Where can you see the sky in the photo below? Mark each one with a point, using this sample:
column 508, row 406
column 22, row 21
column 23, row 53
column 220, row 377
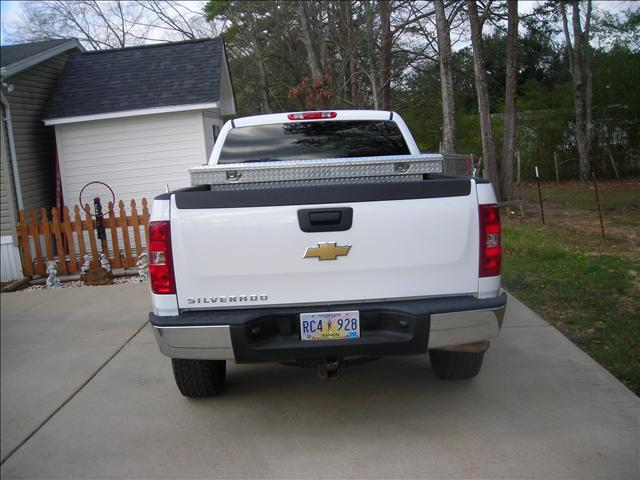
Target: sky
column 10, row 11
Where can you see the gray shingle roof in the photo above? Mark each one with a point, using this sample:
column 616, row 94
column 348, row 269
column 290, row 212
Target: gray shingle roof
column 160, row 75
column 10, row 54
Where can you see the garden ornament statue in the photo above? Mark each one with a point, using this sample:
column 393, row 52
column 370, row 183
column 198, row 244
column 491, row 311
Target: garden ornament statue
column 86, row 264
column 52, row 271
column 143, row 266
column 100, row 275
column 104, row 263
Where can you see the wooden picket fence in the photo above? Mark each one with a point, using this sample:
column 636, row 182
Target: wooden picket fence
column 68, row 237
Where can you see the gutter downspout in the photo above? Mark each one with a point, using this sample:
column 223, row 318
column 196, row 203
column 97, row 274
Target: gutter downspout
column 12, row 153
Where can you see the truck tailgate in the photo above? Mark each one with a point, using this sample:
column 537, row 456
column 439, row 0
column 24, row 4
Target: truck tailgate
column 237, row 249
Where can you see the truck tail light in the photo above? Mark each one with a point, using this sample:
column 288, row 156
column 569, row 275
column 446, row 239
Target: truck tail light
column 490, row 242
column 160, row 260
column 311, row 115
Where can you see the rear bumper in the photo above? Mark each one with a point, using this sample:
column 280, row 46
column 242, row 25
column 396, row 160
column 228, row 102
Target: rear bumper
column 272, row 334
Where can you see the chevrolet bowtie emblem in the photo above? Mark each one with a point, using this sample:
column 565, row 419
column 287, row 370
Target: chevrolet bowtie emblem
column 327, row 251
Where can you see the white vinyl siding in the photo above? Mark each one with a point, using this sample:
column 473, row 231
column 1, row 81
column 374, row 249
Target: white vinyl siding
column 136, row 156
column 10, row 264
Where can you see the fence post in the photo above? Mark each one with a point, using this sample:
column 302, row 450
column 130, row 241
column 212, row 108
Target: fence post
column 23, row 235
column 136, row 227
column 540, row 195
column 125, row 235
column 89, row 227
column 595, row 187
column 55, row 226
column 145, row 217
column 113, row 227
column 68, row 232
column 38, row 267
column 44, row 223
column 77, row 223
column 613, row 164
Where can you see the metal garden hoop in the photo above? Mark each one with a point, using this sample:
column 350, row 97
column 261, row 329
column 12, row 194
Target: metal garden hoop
column 93, row 190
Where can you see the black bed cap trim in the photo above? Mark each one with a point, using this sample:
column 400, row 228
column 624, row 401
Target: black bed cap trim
column 167, row 195
column 310, row 195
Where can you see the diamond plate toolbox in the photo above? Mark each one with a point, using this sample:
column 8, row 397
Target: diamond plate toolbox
column 324, row 169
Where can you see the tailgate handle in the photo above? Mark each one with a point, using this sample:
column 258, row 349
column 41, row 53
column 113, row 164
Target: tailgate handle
column 325, row 220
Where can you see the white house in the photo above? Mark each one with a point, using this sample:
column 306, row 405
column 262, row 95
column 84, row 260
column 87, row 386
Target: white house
column 137, row 118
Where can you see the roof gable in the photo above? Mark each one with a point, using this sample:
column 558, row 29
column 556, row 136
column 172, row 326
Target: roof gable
column 15, row 58
column 139, row 78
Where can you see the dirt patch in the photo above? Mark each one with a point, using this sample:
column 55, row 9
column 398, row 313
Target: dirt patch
column 570, row 208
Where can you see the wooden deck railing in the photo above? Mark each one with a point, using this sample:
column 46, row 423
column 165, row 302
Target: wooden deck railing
column 67, row 240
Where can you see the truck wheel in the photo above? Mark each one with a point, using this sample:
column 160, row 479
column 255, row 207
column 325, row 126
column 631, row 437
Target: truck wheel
column 455, row 365
column 199, row 378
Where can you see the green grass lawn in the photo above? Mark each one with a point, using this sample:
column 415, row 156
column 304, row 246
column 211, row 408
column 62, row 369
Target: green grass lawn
column 587, row 287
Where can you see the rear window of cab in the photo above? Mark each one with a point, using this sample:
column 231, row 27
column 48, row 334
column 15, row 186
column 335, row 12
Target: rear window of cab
column 312, row 141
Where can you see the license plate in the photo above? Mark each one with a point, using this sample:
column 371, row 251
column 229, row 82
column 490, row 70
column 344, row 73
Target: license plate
column 329, row 325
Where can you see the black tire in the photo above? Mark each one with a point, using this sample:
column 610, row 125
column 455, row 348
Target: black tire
column 199, row 378
column 455, row 365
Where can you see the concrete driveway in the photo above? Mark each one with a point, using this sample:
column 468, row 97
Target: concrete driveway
column 86, row 394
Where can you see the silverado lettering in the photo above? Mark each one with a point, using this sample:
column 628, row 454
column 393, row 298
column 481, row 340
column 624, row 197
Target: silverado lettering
column 231, row 298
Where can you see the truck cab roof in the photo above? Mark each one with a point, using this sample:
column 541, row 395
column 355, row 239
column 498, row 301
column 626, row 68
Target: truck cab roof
column 339, row 115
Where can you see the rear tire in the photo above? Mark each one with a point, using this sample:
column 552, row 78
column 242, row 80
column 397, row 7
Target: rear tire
column 455, row 365
column 199, row 378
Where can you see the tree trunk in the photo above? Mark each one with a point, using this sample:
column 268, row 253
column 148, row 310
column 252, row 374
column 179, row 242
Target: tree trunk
column 580, row 67
column 579, row 95
column 446, row 79
column 266, row 104
column 353, row 71
column 262, row 70
column 308, row 40
column 488, row 148
column 385, row 53
column 374, row 78
column 350, row 45
column 374, row 87
column 586, row 52
column 509, row 142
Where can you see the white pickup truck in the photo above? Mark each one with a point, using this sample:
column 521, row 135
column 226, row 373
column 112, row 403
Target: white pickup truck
column 321, row 238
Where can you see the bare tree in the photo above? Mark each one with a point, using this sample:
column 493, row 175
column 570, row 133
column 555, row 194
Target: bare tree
column 398, row 18
column 371, row 58
column 446, row 78
column 509, row 141
column 95, row 24
column 350, row 45
column 385, row 53
column 260, row 61
column 309, row 40
column 476, row 23
column 176, row 20
column 251, row 20
column 110, row 24
column 580, row 67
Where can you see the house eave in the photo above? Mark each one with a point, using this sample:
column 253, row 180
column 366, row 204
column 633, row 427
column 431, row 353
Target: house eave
column 19, row 66
column 130, row 113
